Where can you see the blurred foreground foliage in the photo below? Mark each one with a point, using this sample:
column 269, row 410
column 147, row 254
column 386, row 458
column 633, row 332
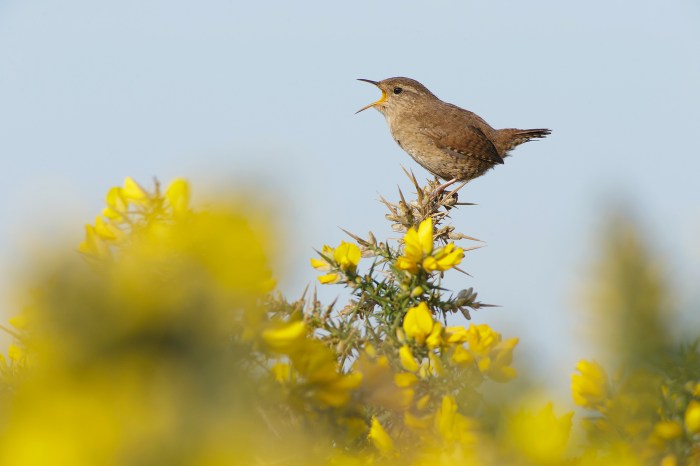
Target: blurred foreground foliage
column 168, row 345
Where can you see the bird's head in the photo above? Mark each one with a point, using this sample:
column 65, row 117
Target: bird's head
column 398, row 94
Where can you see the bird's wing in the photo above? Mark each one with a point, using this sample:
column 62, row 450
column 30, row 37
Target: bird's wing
column 472, row 142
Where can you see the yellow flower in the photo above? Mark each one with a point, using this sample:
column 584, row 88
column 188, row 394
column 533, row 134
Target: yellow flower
column 589, row 388
column 456, row 334
column 281, row 338
column 482, row 339
column 107, row 230
column 501, row 359
column 444, row 258
column 323, row 264
column 418, row 251
column 319, row 264
column 329, row 278
column 132, row 190
column 435, row 338
column 178, row 196
column 93, row 245
column 493, row 356
column 452, row 425
column 461, row 356
column 405, row 379
column 282, row 372
column 347, row 256
column 418, row 323
column 337, row 391
column 541, row 437
column 692, row 417
column 422, row 403
column 380, row 438
column 418, row 243
column 407, row 360
column 435, row 365
column 116, row 200
column 379, row 382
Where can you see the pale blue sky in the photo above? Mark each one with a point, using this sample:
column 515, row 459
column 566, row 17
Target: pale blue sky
column 263, row 95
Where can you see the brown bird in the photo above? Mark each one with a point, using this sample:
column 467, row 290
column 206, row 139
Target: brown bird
column 448, row 141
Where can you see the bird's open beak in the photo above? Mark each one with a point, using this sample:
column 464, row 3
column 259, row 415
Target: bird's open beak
column 381, row 99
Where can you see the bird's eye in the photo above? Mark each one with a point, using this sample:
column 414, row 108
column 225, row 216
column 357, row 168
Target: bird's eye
column 397, row 90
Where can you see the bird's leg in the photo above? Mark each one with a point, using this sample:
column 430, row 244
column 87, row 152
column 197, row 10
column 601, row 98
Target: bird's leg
column 442, row 187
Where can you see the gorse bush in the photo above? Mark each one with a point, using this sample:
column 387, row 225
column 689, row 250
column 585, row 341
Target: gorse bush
column 167, row 344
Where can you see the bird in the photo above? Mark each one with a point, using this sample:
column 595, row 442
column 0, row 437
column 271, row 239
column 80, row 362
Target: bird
column 450, row 142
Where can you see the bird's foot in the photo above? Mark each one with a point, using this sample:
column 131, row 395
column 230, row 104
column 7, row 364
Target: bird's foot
column 440, row 189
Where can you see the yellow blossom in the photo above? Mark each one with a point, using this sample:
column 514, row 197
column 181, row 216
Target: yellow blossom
column 444, row 258
column 379, row 387
column 541, row 437
column 435, row 365
column 407, row 360
column 116, row 200
column 418, row 251
column 178, row 196
column 132, row 190
column 692, row 417
column 435, row 338
column 425, row 370
column 456, row 334
column 112, row 214
column 452, row 425
column 329, row 278
column 422, row 403
column 283, row 337
column 93, row 245
column 319, row 264
column 282, row 372
column 380, row 438
column 405, row 397
column 482, row 339
column 418, row 323
column 347, row 256
column 501, row 357
column 401, row 335
column 323, row 264
column 405, row 379
column 589, row 388
column 418, row 243
column 106, row 230
column 461, row 356
column 493, row 356
column 337, row 392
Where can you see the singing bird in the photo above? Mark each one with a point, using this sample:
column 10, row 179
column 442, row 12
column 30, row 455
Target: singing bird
column 448, row 141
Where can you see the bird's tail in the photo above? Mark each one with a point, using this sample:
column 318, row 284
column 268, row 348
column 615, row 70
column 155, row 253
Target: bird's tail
column 512, row 137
